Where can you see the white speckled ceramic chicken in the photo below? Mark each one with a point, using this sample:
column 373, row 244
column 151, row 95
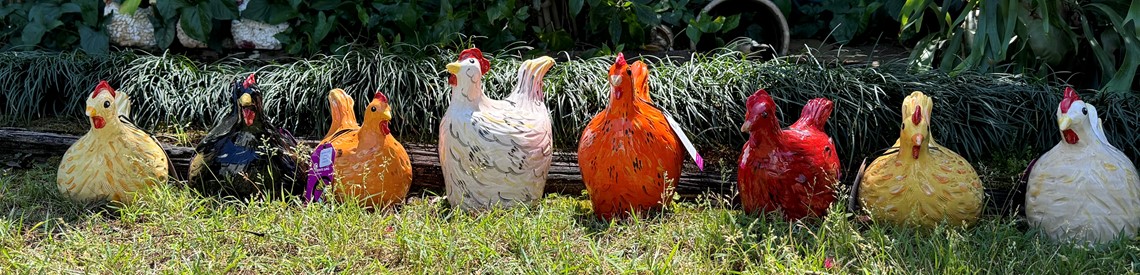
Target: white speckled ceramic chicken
column 495, row 152
column 1084, row 190
column 114, row 159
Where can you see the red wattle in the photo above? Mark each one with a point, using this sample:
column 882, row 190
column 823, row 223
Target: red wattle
column 98, row 122
column 248, row 115
column 915, row 150
column 452, row 80
column 1070, row 136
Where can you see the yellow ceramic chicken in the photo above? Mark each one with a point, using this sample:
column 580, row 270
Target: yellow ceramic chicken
column 371, row 166
column 114, row 159
column 921, row 183
column 1083, row 190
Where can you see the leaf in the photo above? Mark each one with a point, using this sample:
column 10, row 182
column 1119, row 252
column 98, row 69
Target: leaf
column 69, row 8
column 196, row 22
column 324, row 5
column 324, row 25
column 494, row 13
column 89, row 18
column 615, row 29
column 32, row 34
column 911, row 13
column 164, row 30
column 93, row 42
column 646, row 15
column 128, row 7
column 221, row 9
column 693, row 33
column 575, row 7
column 270, row 13
column 169, row 8
column 730, row 23
column 894, row 8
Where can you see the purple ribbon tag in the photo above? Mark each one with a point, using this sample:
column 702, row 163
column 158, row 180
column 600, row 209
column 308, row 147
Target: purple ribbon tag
column 321, row 172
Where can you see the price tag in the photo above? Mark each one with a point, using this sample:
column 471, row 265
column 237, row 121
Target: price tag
column 320, row 172
column 685, row 141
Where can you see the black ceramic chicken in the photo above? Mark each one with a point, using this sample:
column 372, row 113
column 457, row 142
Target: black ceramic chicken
column 245, row 154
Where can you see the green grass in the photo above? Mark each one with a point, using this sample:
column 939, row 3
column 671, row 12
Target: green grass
column 173, row 230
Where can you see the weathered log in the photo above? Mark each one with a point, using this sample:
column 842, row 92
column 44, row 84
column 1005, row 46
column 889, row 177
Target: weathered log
column 564, row 176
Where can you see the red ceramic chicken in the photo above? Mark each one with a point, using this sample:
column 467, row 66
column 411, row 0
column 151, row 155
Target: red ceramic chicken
column 792, row 170
column 631, row 152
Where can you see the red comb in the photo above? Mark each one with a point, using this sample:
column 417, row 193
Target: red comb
column 250, row 81
column 103, row 86
column 1070, row 96
column 917, row 117
column 484, row 65
column 620, row 60
column 380, row 96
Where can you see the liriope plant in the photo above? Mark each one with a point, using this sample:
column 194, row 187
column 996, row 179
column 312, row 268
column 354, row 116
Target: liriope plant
column 974, row 113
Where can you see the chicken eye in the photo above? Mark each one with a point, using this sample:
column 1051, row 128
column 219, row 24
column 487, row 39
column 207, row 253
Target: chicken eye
column 106, row 104
column 472, row 61
column 1085, row 111
column 764, row 114
column 373, row 109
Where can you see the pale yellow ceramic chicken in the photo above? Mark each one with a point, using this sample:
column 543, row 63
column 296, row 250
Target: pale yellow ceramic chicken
column 921, row 183
column 1083, row 190
column 114, row 159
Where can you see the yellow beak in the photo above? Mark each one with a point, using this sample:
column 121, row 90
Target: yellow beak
column 386, row 115
column 1064, row 122
column 453, row 67
column 746, row 126
column 245, row 100
column 90, row 111
column 917, row 139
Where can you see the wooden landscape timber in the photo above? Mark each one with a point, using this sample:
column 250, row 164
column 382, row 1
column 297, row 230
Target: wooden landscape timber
column 564, row 176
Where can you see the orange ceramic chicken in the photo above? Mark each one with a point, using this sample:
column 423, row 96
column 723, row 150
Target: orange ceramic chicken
column 115, row 158
column 371, row 166
column 629, row 154
column 920, row 182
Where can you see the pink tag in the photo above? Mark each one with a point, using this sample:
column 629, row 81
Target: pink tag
column 321, row 172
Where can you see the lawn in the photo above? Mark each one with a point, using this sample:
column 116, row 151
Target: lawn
column 174, row 230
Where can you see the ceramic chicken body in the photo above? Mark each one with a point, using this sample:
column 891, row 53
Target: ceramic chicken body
column 628, row 153
column 1084, row 189
column 245, row 154
column 371, row 166
column 792, row 170
column 921, row 183
column 495, row 152
column 114, row 159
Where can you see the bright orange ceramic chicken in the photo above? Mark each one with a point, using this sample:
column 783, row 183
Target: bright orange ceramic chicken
column 371, row 166
column 628, row 153
column 792, row 170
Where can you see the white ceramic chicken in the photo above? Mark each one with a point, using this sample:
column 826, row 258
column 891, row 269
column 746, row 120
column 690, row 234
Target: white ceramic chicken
column 495, row 152
column 1084, row 190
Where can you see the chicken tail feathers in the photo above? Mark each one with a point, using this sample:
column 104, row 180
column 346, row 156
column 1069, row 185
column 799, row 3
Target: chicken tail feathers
column 123, row 104
column 343, row 117
column 641, row 80
column 815, row 114
column 528, row 90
